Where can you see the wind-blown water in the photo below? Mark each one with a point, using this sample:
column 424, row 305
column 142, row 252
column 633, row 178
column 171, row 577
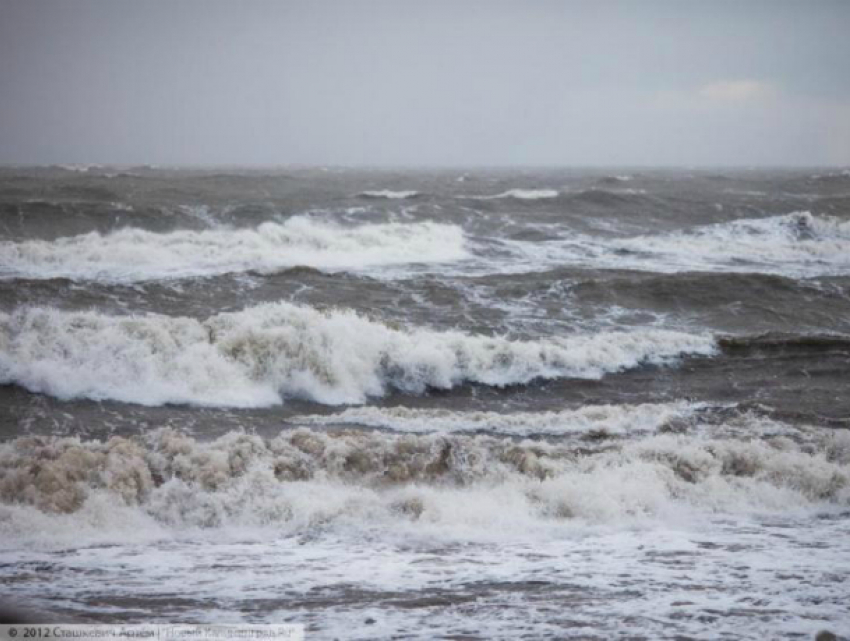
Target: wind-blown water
column 506, row 404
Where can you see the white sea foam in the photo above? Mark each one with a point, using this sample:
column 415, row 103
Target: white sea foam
column 389, row 194
column 797, row 244
column 261, row 355
column 793, row 241
column 80, row 168
column 521, row 194
column 137, row 255
column 744, row 531
column 450, row 486
column 597, row 420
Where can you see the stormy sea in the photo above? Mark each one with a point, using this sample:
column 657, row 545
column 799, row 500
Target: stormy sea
column 421, row 404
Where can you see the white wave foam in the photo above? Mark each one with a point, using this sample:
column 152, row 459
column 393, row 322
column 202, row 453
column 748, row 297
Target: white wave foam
column 80, row 168
column 137, row 255
column 454, row 485
column 598, row 420
column 521, row 194
column 262, row 354
column 795, row 241
column 391, row 195
column 797, row 244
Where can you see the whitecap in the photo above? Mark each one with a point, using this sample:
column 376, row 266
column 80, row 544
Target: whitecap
column 389, row 194
column 261, row 355
column 132, row 254
column 520, row 194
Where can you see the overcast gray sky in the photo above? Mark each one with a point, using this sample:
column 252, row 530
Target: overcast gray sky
column 425, row 83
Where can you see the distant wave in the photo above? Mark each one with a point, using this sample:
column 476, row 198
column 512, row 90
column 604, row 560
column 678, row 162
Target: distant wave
column 520, row 194
column 792, row 239
column 386, row 193
column 607, row 197
column 136, row 255
column 785, row 344
column 596, row 195
column 794, row 245
column 263, row 354
column 630, row 191
column 840, row 175
column 80, row 168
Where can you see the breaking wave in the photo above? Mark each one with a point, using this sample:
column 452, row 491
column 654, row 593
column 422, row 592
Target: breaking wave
column 391, row 195
column 792, row 239
column 521, row 194
column 615, row 180
column 797, row 244
column 61, row 491
column 138, row 255
column 261, row 355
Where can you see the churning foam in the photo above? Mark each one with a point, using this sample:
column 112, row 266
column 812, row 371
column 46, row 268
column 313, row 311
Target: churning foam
column 64, row 491
column 262, row 354
column 136, row 255
column 596, row 420
column 794, row 239
column 798, row 244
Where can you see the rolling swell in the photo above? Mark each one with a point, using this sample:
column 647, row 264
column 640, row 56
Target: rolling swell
column 263, row 354
column 604, row 197
column 731, row 301
column 776, row 343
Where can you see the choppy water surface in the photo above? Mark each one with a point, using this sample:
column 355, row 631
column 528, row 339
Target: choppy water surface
column 480, row 404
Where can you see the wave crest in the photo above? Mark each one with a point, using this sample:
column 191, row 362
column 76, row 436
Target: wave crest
column 137, row 255
column 261, row 355
column 389, row 194
column 796, row 244
column 799, row 238
column 521, row 194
